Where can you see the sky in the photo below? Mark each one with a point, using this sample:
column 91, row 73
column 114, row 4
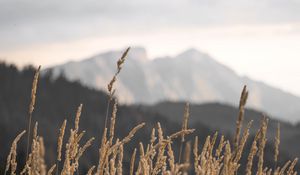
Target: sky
column 256, row 38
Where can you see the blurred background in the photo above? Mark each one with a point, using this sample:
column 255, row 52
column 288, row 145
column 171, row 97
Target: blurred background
column 200, row 51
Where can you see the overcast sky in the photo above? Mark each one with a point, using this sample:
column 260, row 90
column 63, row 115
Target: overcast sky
column 257, row 38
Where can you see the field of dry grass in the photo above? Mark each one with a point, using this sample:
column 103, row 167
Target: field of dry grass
column 217, row 156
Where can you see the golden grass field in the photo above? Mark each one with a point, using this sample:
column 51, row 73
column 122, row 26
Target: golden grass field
column 157, row 157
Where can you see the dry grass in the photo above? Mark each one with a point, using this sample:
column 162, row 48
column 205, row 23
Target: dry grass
column 31, row 105
column 156, row 157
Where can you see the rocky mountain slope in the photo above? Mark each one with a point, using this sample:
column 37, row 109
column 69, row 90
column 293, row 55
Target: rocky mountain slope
column 191, row 75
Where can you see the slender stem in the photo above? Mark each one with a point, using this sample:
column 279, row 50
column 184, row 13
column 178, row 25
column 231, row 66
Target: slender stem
column 28, row 135
column 107, row 111
column 57, row 168
column 275, row 165
column 180, row 152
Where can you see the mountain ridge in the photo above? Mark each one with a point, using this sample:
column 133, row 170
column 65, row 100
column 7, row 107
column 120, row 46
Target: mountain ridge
column 191, row 75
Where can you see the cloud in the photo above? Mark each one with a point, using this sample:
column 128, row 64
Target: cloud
column 33, row 22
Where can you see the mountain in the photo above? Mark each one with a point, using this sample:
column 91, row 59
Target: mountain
column 58, row 99
column 191, row 75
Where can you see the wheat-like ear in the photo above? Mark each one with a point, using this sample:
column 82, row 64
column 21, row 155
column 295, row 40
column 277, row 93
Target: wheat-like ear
column 227, row 157
column 31, row 106
column 262, row 144
column 196, row 155
column 112, row 123
column 33, row 90
column 120, row 161
column 110, row 86
column 131, row 133
column 185, row 119
column 60, row 139
column 285, row 166
column 132, row 161
column 171, row 158
column 179, row 133
column 220, row 147
column 51, row 170
column 90, row 171
column 119, row 67
column 12, row 156
column 142, row 151
column 77, row 118
column 292, row 166
column 184, row 127
column 240, row 149
column 252, row 153
column 82, row 149
column 239, row 122
column 35, row 130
